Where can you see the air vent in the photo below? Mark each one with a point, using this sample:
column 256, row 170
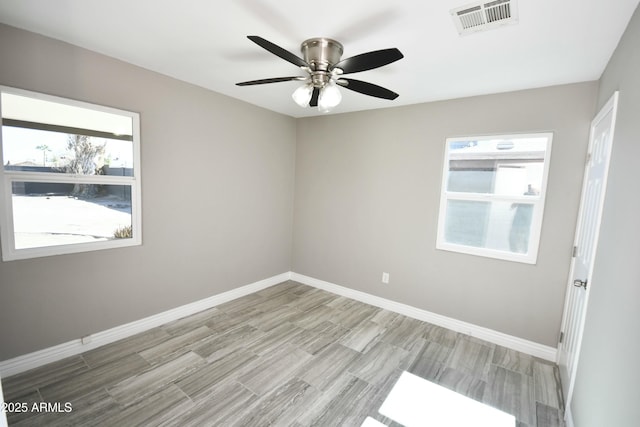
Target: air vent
column 477, row 17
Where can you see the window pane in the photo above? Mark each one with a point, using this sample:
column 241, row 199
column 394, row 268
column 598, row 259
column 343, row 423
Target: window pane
column 502, row 226
column 51, row 214
column 69, row 168
column 35, row 150
column 35, row 110
column 511, row 167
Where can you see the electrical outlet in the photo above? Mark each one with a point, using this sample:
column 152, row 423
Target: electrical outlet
column 86, row 340
column 385, row 277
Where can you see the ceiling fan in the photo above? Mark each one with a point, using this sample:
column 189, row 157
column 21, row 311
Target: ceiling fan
column 325, row 69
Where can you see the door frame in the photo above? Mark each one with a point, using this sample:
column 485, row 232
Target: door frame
column 611, row 106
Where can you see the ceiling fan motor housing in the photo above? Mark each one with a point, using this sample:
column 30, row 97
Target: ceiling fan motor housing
column 321, row 53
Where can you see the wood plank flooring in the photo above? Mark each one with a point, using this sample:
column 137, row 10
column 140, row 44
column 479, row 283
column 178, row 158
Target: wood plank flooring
column 289, row 355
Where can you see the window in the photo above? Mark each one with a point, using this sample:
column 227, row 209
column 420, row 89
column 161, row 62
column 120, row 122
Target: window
column 70, row 176
column 492, row 198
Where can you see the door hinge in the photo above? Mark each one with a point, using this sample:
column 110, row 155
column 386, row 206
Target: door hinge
column 561, row 337
column 580, row 284
column 574, row 252
column 588, row 157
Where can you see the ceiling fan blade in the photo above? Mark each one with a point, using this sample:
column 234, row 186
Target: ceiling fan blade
column 369, row 60
column 278, row 51
column 314, row 97
column 273, row 80
column 367, row 88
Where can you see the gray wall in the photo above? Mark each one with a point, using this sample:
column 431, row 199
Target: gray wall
column 607, row 388
column 366, row 201
column 367, row 197
column 217, row 200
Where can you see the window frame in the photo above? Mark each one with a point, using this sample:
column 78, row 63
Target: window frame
column 538, row 203
column 8, row 177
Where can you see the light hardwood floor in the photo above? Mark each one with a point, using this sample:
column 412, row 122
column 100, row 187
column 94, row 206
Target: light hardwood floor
column 289, row 355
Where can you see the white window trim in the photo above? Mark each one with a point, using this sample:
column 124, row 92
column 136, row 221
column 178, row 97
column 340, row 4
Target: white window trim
column 538, row 202
column 7, row 237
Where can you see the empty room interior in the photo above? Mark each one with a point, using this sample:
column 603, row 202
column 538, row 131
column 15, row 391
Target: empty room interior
column 250, row 213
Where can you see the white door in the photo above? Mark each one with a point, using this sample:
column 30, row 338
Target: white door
column 586, row 241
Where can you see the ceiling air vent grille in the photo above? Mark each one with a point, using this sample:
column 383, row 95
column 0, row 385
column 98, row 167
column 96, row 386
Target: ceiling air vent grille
column 476, row 17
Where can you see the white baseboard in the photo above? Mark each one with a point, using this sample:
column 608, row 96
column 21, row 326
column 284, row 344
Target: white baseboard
column 52, row 354
column 568, row 417
column 42, row 357
column 495, row 337
column 3, row 413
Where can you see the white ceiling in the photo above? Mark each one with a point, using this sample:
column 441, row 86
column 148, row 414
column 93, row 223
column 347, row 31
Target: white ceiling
column 204, row 42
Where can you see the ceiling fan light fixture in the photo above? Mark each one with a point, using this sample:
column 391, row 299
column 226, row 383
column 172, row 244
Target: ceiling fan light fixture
column 302, row 95
column 329, row 98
